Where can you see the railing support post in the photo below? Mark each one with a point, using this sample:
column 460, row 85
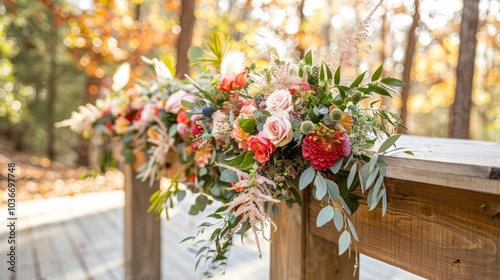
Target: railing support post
column 142, row 230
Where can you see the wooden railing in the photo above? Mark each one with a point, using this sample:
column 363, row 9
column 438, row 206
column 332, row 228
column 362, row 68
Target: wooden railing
column 442, row 221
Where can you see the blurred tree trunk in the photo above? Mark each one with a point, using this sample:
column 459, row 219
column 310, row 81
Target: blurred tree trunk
column 461, row 107
column 300, row 48
column 184, row 41
column 83, row 145
column 411, row 43
column 385, row 100
column 51, row 102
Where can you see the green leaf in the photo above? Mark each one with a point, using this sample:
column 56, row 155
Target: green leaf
column 344, row 242
column 228, row 176
column 388, row 143
column 353, row 230
column 129, row 156
column 333, row 189
column 373, row 161
column 336, row 167
column 188, row 238
column 201, row 202
column 378, row 72
column 320, row 184
column 352, row 174
column 325, row 215
column 244, row 228
column 248, row 125
column 384, row 203
column 358, row 80
column 181, row 195
column 380, row 90
column 248, row 162
column 306, row 178
column 393, row 82
column 364, row 172
column 336, row 78
column 338, row 220
column 308, row 58
column 371, row 178
column 328, row 71
column 186, row 104
column 409, row 153
column 314, row 100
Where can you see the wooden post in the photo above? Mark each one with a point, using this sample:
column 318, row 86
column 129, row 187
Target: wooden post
column 142, row 230
column 298, row 255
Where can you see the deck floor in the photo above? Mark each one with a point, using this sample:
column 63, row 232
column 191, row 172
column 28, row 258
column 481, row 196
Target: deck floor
column 81, row 237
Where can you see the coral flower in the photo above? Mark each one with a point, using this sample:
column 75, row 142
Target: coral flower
column 261, row 146
column 240, row 135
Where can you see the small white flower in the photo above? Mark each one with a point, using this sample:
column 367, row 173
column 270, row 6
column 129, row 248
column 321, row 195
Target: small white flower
column 270, row 43
column 233, row 63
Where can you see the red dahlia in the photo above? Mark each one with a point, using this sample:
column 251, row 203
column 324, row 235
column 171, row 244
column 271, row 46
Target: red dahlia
column 325, row 146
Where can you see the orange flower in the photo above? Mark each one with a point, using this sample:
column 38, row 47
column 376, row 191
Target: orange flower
column 240, row 136
column 202, row 156
column 347, row 121
column 181, row 116
column 233, row 81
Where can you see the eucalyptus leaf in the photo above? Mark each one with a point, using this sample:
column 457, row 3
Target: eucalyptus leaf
column 320, row 184
column 228, row 176
column 336, row 167
column 306, row 178
column 344, row 242
column 373, row 161
column 338, row 219
column 353, row 230
column 363, row 176
column 325, row 215
column 388, row 143
column 333, row 189
column 352, row 174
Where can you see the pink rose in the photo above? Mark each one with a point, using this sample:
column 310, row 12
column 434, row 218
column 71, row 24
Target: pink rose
column 173, row 104
column 279, row 99
column 278, row 129
column 261, row 147
column 247, row 109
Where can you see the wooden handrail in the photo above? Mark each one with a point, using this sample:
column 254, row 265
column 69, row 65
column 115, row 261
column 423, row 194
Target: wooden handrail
column 442, row 217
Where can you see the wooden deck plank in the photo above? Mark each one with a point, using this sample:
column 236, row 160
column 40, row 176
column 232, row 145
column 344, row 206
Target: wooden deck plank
column 116, row 250
column 27, row 263
column 47, row 262
column 94, row 265
column 103, row 244
column 69, row 258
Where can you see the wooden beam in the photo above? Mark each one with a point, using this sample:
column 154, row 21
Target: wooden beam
column 433, row 231
column 297, row 254
column 142, row 230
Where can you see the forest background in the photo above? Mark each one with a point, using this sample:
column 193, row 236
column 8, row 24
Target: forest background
column 56, row 55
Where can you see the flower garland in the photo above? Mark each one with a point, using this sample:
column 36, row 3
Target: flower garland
column 253, row 137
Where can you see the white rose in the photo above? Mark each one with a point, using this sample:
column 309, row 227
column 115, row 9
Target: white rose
column 279, row 99
column 278, row 129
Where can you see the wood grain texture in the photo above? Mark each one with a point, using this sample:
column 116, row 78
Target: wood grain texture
column 298, row 255
column 478, row 159
column 288, row 244
column 433, row 231
column 142, row 231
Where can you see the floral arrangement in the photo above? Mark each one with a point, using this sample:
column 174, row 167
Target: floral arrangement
column 253, row 135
